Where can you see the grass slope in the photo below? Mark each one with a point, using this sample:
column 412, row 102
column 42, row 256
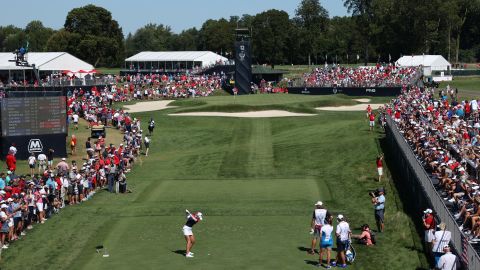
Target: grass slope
column 255, row 180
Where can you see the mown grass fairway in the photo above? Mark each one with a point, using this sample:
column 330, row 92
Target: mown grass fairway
column 255, row 180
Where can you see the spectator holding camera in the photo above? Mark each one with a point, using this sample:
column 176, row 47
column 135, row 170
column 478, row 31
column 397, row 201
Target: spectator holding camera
column 378, row 201
column 380, row 167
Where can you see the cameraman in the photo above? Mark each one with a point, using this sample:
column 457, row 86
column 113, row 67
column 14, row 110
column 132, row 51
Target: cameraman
column 378, row 201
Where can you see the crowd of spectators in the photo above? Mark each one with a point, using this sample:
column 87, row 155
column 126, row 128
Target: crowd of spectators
column 445, row 136
column 26, row 200
column 376, row 76
column 154, row 85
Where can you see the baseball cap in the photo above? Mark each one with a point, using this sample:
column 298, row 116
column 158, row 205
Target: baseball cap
column 340, row 217
column 319, row 203
column 428, row 211
column 446, row 246
column 200, row 215
column 9, row 172
column 3, row 206
column 381, row 190
column 63, row 159
column 9, row 200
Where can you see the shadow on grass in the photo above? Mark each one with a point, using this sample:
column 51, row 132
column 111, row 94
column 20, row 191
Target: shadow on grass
column 404, row 193
column 180, row 251
column 310, row 262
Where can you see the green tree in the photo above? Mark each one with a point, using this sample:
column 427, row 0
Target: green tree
column 217, row 35
column 10, row 38
column 270, row 36
column 102, row 37
column 37, row 36
column 362, row 10
column 312, row 20
column 151, row 37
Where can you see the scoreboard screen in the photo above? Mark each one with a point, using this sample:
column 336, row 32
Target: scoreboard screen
column 22, row 116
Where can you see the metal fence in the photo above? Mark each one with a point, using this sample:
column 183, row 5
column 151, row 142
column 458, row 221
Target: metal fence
column 422, row 191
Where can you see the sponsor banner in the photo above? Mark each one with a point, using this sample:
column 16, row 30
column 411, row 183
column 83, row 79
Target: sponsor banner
column 349, row 91
column 35, row 144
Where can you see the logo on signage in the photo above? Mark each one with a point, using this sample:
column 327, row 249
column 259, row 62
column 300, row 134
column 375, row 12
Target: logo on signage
column 370, row 90
column 242, row 54
column 35, row 146
column 305, row 91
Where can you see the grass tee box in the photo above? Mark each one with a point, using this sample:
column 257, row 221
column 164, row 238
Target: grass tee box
column 255, row 180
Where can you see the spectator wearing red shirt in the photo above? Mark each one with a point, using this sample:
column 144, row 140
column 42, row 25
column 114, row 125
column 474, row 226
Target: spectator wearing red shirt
column 429, row 226
column 371, row 117
column 11, row 161
column 380, row 167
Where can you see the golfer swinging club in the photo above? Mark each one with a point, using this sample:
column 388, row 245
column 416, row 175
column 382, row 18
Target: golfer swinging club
column 192, row 219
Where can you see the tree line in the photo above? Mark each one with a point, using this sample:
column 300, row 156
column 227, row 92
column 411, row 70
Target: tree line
column 376, row 31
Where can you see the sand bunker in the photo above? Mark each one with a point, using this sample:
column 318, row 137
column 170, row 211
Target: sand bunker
column 148, row 106
column 255, row 114
column 358, row 107
column 363, row 100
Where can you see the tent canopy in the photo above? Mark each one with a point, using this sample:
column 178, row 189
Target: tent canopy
column 46, row 61
column 207, row 58
column 435, row 62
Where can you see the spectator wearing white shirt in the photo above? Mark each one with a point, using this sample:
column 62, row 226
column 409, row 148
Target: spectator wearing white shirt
column 441, row 239
column 42, row 162
column 343, row 241
column 32, row 161
column 448, row 261
column 75, row 118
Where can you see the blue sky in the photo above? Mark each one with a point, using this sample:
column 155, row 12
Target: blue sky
column 131, row 15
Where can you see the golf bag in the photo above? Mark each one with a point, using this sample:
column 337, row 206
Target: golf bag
column 351, row 254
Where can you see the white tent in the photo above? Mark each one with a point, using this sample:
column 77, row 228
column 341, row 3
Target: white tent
column 431, row 62
column 47, row 62
column 173, row 60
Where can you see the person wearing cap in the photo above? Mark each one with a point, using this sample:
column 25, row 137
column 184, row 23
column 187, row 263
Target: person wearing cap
column 379, row 207
column 441, row 238
column 151, row 126
column 192, row 219
column 326, row 242
column 429, row 226
column 447, row 261
column 343, row 234
column 318, row 220
column 62, row 166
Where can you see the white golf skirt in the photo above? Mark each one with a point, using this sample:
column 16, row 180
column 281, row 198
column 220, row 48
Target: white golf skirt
column 187, row 230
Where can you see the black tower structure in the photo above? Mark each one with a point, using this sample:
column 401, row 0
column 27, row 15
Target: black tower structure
column 243, row 60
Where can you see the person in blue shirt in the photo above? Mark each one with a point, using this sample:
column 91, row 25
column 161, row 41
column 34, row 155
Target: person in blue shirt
column 2, row 181
column 379, row 205
column 50, row 183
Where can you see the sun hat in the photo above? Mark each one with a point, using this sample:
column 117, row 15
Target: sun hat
column 319, row 203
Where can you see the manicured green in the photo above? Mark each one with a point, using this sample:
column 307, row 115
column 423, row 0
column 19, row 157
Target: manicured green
column 255, row 180
column 468, row 87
